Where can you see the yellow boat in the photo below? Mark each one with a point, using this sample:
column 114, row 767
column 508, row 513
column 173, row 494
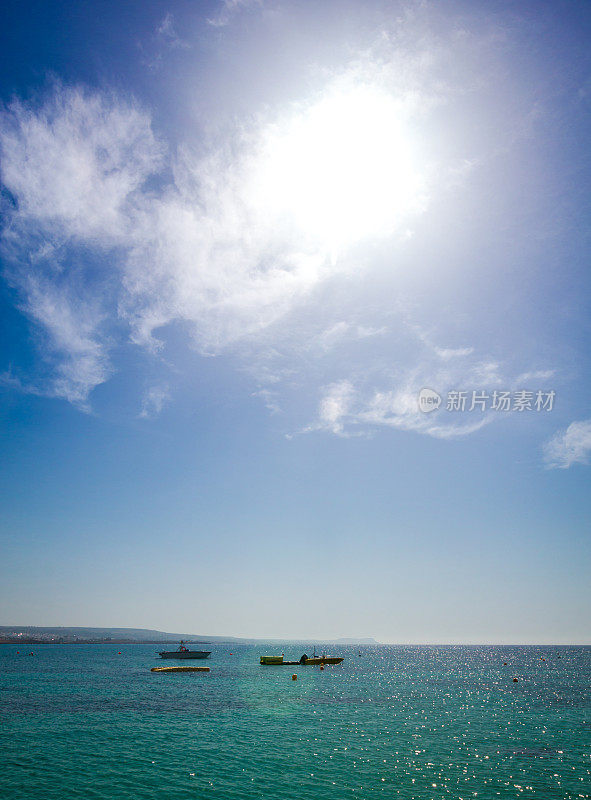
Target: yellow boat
column 304, row 661
column 179, row 669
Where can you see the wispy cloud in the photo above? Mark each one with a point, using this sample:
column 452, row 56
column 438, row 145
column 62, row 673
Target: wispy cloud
column 208, row 249
column 569, row 446
column 228, row 10
column 74, row 338
column 335, row 407
column 75, row 167
column 167, row 32
column 201, row 250
column 114, row 237
column 349, row 410
column 535, row 375
column 341, row 332
column 381, row 396
column 154, row 400
column 11, row 381
column 164, row 39
column 450, row 352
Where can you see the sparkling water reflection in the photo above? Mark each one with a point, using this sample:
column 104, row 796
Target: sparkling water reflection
column 402, row 722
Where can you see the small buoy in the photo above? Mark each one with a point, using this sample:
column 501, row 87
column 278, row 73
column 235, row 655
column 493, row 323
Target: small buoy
column 231, row 654
column 514, row 680
column 504, row 663
column 31, row 654
column 321, row 667
column 294, row 677
column 119, row 653
column 18, row 652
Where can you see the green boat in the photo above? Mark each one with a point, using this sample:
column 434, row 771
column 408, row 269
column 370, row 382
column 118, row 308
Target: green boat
column 278, row 661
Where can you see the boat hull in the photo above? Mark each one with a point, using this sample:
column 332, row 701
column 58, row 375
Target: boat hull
column 180, row 669
column 185, row 654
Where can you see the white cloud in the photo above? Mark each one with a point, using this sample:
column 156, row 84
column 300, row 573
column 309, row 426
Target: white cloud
column 570, row 446
column 347, row 410
column 75, row 167
column 446, row 353
column 333, row 335
column 167, row 32
column 535, row 375
column 371, row 399
column 199, row 251
column 487, row 373
column 153, row 401
column 75, row 164
column 114, row 238
column 163, row 40
column 210, row 259
column 270, row 399
column 74, row 339
column 366, row 331
column 335, row 407
column 12, row 381
column 207, row 249
column 228, row 9
column 343, row 331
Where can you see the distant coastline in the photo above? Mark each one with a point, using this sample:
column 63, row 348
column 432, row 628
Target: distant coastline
column 32, row 634
column 30, row 640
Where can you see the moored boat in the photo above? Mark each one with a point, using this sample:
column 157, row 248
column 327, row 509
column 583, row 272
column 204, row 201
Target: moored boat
column 184, row 652
column 180, row 669
column 304, row 661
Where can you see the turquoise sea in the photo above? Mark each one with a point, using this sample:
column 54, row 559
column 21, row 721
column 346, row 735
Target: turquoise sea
column 82, row 721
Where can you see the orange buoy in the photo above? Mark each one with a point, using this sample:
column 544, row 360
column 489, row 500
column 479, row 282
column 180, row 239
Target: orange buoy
column 294, row 677
column 514, row 680
column 321, row 667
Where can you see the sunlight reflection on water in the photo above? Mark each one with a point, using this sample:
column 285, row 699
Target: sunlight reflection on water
column 410, row 722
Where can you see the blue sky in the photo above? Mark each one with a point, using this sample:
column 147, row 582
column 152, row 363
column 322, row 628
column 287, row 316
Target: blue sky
column 238, row 239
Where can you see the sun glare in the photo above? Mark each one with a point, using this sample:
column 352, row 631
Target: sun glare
column 343, row 170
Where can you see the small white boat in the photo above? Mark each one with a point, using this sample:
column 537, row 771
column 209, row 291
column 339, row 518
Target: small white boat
column 184, row 652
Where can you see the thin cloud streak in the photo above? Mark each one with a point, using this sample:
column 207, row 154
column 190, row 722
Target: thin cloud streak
column 229, row 9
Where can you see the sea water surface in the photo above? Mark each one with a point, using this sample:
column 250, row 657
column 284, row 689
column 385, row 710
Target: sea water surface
column 83, row 721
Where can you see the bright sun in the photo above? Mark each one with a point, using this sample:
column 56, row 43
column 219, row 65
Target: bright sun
column 343, row 170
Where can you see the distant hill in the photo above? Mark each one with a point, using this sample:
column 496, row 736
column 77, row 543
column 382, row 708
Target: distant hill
column 73, row 634
column 66, row 633
column 356, row 641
